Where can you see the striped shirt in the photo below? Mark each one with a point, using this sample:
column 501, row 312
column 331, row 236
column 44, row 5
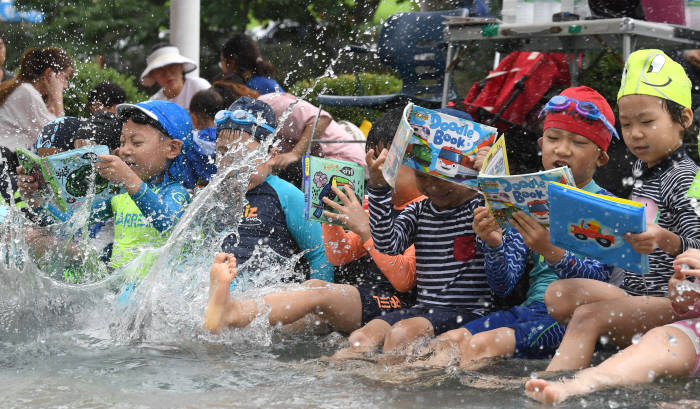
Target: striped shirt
column 666, row 184
column 449, row 264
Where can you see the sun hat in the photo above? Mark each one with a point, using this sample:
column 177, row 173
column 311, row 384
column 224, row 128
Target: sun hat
column 651, row 72
column 259, row 123
column 160, row 58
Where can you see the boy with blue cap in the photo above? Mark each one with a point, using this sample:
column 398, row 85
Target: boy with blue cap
column 273, row 216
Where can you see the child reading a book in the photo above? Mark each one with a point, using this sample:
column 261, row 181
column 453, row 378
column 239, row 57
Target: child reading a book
column 274, row 215
column 577, row 132
column 385, row 284
column 668, row 351
column 654, row 107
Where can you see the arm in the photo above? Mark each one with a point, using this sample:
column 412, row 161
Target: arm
column 505, row 264
column 684, row 300
column 341, row 247
column 573, row 266
column 391, row 235
column 400, row 270
column 163, row 209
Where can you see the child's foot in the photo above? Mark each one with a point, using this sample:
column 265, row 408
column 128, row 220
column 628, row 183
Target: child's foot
column 222, row 272
column 545, row 391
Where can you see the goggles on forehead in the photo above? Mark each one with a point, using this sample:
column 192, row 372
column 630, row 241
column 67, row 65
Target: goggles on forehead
column 586, row 109
column 240, row 117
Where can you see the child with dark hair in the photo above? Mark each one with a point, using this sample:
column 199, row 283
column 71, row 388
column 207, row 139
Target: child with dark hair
column 202, row 157
column 103, row 127
column 241, row 55
column 105, row 97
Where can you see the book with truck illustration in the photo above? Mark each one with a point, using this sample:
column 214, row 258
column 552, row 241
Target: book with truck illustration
column 438, row 144
column 68, row 176
column 594, row 225
column 320, row 175
column 507, row 194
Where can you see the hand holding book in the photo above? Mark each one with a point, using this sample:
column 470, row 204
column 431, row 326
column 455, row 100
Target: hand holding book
column 114, row 169
column 536, row 236
column 374, row 167
column 486, row 227
column 350, row 213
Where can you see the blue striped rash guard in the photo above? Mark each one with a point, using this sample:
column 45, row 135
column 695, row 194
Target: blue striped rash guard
column 274, row 217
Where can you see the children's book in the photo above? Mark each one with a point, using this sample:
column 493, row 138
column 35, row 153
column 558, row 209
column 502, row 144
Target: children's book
column 507, row 194
column 68, row 175
column 438, row 144
column 320, row 175
column 496, row 161
column 593, row 225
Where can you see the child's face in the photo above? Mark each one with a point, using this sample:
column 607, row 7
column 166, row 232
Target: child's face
column 565, row 148
column 647, row 128
column 444, row 194
column 228, row 140
column 146, row 150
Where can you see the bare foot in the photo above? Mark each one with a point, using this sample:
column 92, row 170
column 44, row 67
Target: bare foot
column 545, row 391
column 222, row 272
column 352, row 353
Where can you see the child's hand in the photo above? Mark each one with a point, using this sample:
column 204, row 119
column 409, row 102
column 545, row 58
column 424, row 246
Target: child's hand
column 376, row 178
column 283, row 160
column 350, row 213
column 655, row 237
column 114, row 169
column 480, row 156
column 686, row 264
column 536, row 236
column 486, row 228
column 28, row 185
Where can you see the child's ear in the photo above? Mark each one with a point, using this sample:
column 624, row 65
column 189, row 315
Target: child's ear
column 174, row 147
column 539, row 141
column 603, row 158
column 687, row 117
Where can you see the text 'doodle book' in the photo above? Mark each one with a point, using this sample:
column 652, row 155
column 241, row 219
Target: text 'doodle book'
column 320, row 175
column 507, row 194
column 438, row 144
column 68, row 175
column 594, row 225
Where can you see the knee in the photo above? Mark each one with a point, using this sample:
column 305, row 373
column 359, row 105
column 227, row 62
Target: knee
column 315, row 283
column 586, row 317
column 455, row 336
column 555, row 298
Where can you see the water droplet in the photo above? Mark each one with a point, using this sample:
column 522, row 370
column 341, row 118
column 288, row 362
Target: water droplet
column 636, row 338
column 651, row 375
column 672, row 340
column 558, row 293
column 604, row 339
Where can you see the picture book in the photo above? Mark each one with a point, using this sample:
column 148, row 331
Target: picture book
column 438, row 144
column 593, row 225
column 496, row 161
column 507, row 194
column 320, row 175
column 68, row 175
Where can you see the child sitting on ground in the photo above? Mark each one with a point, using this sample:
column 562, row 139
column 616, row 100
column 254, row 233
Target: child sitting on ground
column 274, row 215
column 345, row 307
column 669, row 351
column 654, row 107
column 202, row 157
column 569, row 138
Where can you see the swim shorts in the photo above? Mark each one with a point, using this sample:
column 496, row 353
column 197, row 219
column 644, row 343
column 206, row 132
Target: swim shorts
column 537, row 335
column 380, row 301
column 691, row 328
column 442, row 319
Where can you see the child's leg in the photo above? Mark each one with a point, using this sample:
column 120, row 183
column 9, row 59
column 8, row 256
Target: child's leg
column 404, row 332
column 564, row 296
column 445, row 348
column 365, row 340
column 499, row 342
column 222, row 272
column 663, row 351
column 620, row 318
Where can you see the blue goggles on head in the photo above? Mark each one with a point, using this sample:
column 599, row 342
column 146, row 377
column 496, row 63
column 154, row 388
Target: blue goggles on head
column 239, row 117
column 586, row 109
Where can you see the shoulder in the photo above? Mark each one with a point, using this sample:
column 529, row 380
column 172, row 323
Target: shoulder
column 679, row 175
column 284, row 188
column 26, row 91
column 197, row 83
column 175, row 191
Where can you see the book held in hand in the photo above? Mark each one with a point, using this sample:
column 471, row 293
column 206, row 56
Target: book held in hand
column 68, row 175
column 594, row 225
column 320, row 175
column 438, row 144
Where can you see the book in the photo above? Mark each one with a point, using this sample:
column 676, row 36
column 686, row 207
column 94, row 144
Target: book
column 438, row 144
column 593, row 225
column 320, row 175
column 68, row 175
column 507, row 194
column 496, row 161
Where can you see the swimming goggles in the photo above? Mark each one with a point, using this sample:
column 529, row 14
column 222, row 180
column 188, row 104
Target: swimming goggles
column 586, row 109
column 240, row 117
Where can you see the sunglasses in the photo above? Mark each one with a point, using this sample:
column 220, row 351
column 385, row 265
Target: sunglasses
column 586, row 109
column 240, row 117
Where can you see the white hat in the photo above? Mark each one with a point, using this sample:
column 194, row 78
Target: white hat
column 162, row 57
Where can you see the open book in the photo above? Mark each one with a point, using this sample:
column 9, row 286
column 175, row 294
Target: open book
column 68, row 176
column 593, row 225
column 438, row 144
column 320, row 175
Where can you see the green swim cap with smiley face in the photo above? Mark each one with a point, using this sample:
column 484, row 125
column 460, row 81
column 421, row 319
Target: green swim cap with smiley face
column 651, row 72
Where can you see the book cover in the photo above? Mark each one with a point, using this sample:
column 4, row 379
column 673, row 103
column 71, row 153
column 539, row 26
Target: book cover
column 507, row 194
column 438, row 144
column 593, row 225
column 68, row 175
column 496, row 161
column 320, row 174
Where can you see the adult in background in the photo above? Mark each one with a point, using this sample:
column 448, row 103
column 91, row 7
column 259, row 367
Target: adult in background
column 32, row 99
column 167, row 68
column 5, row 75
column 241, row 55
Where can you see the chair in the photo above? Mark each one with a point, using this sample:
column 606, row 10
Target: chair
column 412, row 44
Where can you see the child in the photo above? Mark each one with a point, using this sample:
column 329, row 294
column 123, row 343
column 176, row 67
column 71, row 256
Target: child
column 152, row 138
column 671, row 350
column 386, row 281
column 104, row 126
column 654, row 107
column 202, row 157
column 450, row 277
column 527, row 331
column 273, row 216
